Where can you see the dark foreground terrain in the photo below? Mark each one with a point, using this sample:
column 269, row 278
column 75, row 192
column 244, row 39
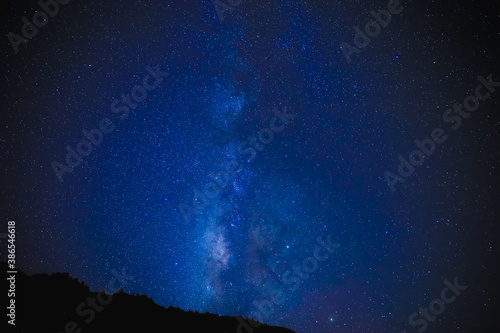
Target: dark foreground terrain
column 58, row 303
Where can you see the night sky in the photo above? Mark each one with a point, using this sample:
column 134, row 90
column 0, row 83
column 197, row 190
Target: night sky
column 223, row 160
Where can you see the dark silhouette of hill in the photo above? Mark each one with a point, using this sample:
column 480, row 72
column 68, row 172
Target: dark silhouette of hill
column 58, row 303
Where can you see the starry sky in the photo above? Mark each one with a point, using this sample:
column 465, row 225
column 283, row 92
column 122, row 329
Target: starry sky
column 261, row 100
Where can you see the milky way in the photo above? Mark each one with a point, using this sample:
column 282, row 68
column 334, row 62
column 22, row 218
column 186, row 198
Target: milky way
column 244, row 174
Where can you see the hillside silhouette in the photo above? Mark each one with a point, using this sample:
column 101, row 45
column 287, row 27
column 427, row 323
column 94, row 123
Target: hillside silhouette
column 58, row 303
